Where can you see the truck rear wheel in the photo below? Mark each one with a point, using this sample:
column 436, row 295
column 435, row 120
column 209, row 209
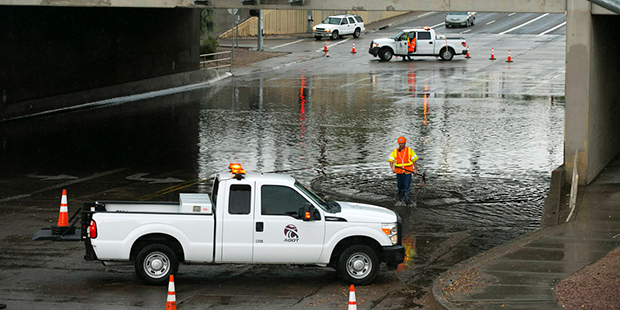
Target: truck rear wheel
column 446, row 54
column 155, row 263
column 385, row 54
column 358, row 264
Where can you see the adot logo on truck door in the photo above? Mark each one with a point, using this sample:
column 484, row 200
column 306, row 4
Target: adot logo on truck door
column 291, row 234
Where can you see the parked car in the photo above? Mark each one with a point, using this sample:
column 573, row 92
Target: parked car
column 338, row 26
column 460, row 19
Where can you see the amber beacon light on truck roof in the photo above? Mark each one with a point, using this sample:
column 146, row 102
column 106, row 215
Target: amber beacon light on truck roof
column 236, row 170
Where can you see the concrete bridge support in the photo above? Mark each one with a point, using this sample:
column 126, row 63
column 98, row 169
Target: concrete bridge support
column 592, row 122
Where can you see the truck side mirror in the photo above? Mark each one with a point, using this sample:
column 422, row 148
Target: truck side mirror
column 308, row 212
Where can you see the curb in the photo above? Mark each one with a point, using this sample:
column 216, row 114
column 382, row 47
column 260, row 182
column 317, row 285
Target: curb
column 482, row 258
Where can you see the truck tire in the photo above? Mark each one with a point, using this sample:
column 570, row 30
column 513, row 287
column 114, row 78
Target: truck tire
column 446, row 54
column 356, row 33
column 155, row 263
column 385, row 53
column 334, row 35
column 358, row 264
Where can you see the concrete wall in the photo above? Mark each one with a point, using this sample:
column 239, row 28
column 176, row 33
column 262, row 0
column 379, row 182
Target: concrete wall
column 48, row 51
column 592, row 121
column 296, row 21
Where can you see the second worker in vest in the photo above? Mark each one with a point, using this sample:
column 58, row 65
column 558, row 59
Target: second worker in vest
column 403, row 162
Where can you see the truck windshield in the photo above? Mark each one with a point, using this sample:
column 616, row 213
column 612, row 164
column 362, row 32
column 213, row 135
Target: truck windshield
column 318, row 200
column 457, row 13
column 396, row 37
column 332, row 20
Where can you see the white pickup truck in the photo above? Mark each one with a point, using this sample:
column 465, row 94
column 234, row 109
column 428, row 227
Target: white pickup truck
column 427, row 44
column 248, row 218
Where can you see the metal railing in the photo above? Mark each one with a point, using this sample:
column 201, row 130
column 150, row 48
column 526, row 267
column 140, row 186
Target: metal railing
column 215, row 60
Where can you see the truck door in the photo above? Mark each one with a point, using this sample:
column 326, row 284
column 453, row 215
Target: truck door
column 238, row 222
column 425, row 44
column 345, row 26
column 401, row 45
column 281, row 235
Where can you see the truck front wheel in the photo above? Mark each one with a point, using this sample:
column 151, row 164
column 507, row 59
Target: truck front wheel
column 155, row 263
column 358, row 264
column 385, row 54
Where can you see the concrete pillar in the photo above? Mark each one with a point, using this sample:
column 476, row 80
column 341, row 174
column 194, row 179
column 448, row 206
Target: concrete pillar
column 592, row 120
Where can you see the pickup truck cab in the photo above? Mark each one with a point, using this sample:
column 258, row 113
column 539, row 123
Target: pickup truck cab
column 427, row 44
column 249, row 218
column 339, row 25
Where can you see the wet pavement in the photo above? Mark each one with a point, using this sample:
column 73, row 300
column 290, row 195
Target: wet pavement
column 488, row 135
column 524, row 273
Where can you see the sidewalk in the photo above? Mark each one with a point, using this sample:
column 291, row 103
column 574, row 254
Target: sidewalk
column 523, row 274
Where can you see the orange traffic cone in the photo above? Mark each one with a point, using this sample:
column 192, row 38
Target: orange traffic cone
column 63, row 216
column 352, row 302
column 467, row 56
column 509, row 58
column 492, row 54
column 171, row 303
column 353, row 51
column 325, row 47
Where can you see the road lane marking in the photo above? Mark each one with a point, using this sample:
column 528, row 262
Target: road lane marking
column 513, row 13
column 283, row 45
column 531, row 21
column 321, row 50
column 466, row 31
column 438, row 25
column 426, row 14
column 140, row 177
column 61, row 185
column 490, row 22
column 554, row 28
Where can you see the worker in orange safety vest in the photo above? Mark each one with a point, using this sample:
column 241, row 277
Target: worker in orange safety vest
column 411, row 46
column 402, row 160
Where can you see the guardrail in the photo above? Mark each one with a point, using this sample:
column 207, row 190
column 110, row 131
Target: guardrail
column 214, row 60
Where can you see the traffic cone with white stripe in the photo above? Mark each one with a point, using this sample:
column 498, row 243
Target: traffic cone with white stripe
column 63, row 217
column 171, row 303
column 492, row 54
column 467, row 56
column 352, row 302
column 325, row 47
column 509, row 58
column 353, row 51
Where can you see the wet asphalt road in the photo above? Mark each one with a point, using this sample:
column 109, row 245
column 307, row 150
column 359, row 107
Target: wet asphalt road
column 488, row 135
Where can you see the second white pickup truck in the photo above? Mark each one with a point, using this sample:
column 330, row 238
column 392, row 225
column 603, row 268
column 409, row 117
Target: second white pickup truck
column 427, row 44
column 247, row 218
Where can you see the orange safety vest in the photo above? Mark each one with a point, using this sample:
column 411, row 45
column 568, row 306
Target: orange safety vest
column 404, row 158
column 412, row 45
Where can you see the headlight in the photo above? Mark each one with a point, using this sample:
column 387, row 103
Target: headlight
column 327, row 30
column 391, row 230
column 375, row 45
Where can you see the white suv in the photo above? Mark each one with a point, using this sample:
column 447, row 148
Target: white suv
column 338, row 26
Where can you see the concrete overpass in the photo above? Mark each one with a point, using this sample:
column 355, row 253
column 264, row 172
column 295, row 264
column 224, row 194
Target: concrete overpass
column 55, row 51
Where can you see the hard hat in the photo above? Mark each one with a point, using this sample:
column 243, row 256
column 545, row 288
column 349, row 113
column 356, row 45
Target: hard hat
column 401, row 139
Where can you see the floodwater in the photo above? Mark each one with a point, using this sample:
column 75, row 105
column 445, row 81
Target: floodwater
column 487, row 145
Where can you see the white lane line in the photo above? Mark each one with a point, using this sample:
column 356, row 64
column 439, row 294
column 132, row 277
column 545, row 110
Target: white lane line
column 614, row 237
column 426, row 14
column 283, row 45
column 554, row 28
column 490, row 22
column 345, row 40
column 466, row 31
column 438, row 25
column 513, row 13
column 61, row 185
column 531, row 21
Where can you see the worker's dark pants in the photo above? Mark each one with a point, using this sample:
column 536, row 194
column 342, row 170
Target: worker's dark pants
column 404, row 182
